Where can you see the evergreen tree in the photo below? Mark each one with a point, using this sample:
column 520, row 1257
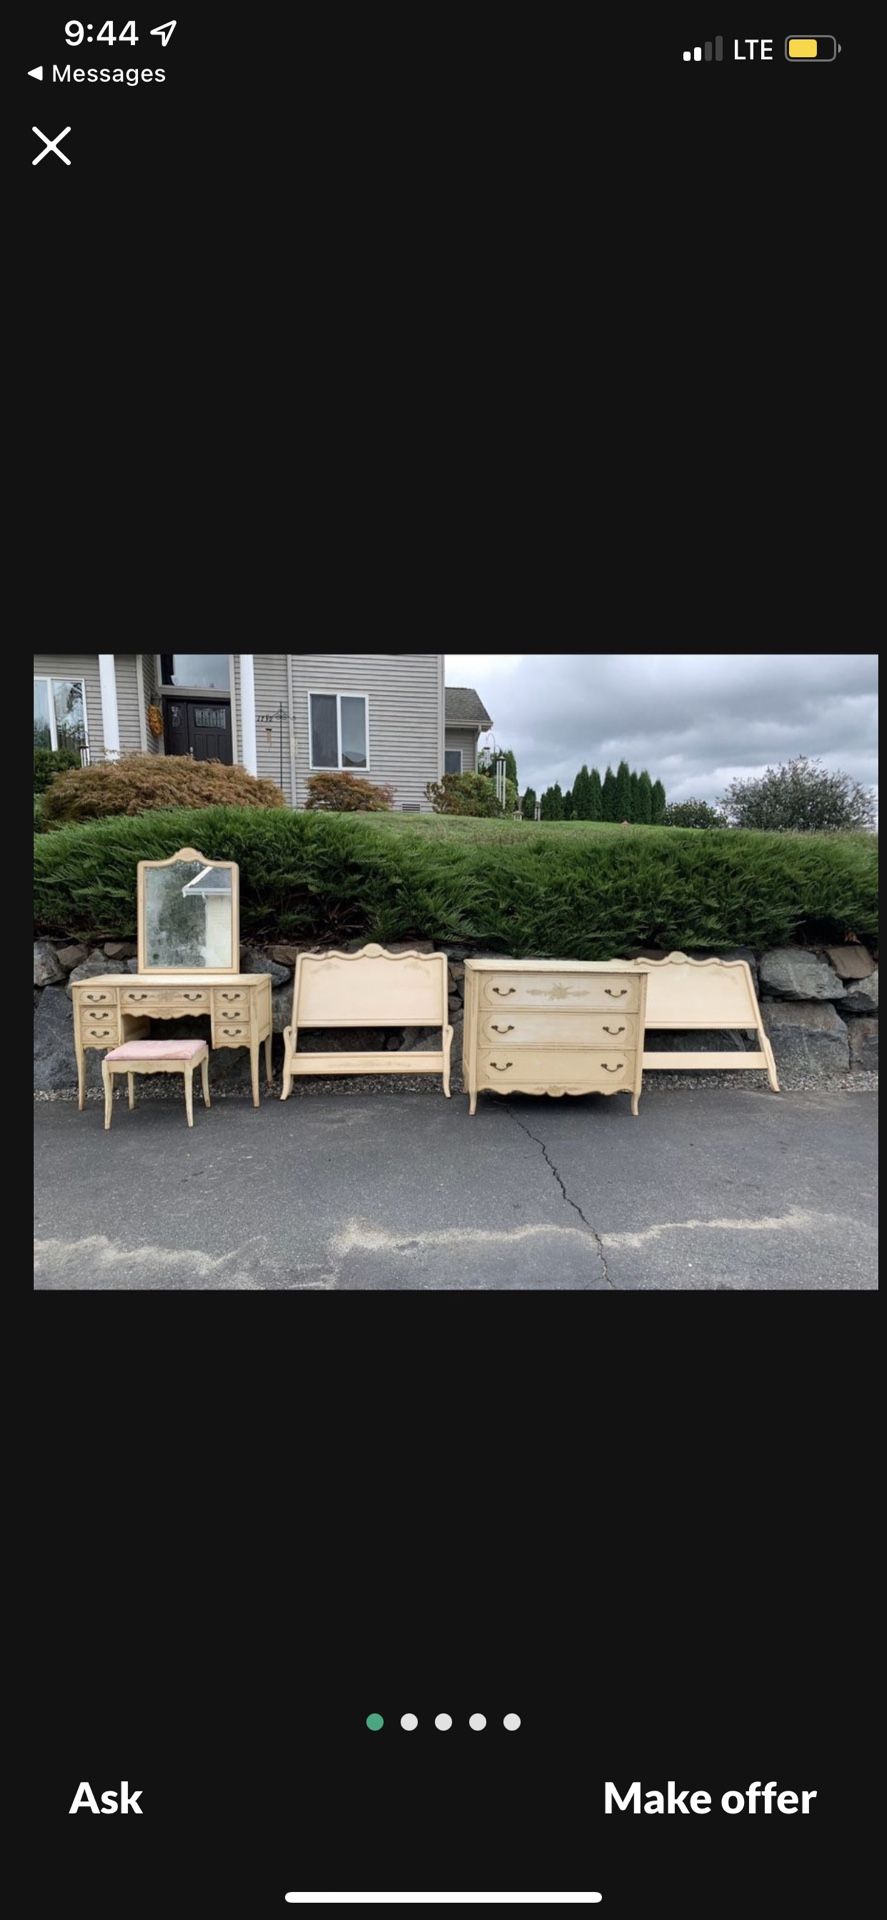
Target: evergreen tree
column 545, row 810
column 608, row 796
column 622, row 797
column 557, row 802
column 582, row 795
column 595, row 797
column 645, row 800
column 569, row 809
column 658, row 802
column 633, row 799
column 528, row 804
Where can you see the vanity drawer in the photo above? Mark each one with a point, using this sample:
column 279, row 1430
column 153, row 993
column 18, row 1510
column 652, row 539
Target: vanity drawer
column 165, row 1003
column 230, row 1030
column 99, row 1033
column 95, row 996
column 574, row 992
column 594, row 1069
column 231, row 1000
column 522, row 1028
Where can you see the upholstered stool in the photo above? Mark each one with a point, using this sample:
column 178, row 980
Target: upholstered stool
column 157, row 1056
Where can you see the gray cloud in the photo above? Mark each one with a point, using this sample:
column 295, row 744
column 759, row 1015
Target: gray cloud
column 693, row 720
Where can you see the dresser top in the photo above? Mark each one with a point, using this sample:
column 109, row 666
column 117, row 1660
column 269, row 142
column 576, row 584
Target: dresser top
column 171, row 980
column 553, row 966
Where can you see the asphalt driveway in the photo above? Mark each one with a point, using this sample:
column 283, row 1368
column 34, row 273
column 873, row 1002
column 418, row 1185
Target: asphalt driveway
column 720, row 1188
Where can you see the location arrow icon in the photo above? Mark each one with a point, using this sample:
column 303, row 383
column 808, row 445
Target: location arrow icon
column 165, row 32
column 35, row 73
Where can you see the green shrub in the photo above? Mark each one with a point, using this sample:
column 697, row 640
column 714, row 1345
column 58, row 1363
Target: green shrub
column 470, row 793
column 559, row 892
column 140, row 782
column 38, row 813
column 49, row 761
column 801, row 797
column 692, row 813
column 345, row 793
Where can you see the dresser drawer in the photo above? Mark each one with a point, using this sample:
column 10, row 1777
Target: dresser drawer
column 230, row 1031
column 99, row 1033
column 95, row 996
column 165, row 1003
column 574, row 992
column 522, row 1028
column 547, row 1066
column 233, row 1001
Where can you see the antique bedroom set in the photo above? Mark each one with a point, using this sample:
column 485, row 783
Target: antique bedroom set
column 531, row 1026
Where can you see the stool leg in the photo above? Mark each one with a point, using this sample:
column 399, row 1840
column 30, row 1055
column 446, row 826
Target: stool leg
column 109, row 1093
column 189, row 1094
column 204, row 1070
column 131, row 1080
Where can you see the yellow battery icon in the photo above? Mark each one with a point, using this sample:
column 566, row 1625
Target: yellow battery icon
column 811, row 46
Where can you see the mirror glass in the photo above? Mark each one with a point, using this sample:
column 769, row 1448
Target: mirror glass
column 189, row 916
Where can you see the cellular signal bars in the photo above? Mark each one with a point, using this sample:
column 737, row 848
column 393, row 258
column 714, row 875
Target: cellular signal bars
column 705, row 51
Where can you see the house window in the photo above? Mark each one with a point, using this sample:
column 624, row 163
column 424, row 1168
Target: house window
column 59, row 713
column 195, row 670
column 339, row 730
column 453, row 760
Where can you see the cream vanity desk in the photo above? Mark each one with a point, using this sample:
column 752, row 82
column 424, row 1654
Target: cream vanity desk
column 553, row 1026
column 188, row 956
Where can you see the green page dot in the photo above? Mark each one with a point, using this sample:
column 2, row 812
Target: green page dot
column 374, row 1722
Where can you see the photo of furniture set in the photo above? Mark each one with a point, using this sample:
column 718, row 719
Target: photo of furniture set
column 531, row 1026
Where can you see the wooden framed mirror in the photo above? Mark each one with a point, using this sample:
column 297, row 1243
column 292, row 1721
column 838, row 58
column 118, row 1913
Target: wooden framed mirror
column 189, row 914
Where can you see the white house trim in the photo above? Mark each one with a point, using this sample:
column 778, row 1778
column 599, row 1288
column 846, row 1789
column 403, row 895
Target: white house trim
column 70, row 679
column 334, row 693
column 110, row 720
column 248, row 712
column 140, row 683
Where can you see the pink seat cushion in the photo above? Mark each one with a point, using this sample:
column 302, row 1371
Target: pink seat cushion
column 158, row 1050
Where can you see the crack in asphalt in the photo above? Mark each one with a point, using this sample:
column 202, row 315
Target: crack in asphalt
column 599, row 1245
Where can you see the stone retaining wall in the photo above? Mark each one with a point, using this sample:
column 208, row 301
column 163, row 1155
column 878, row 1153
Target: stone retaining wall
column 820, row 1008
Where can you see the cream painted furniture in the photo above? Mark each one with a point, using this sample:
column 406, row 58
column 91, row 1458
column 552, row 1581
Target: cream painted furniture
column 157, row 1056
column 188, row 956
column 371, row 988
column 683, row 994
column 553, row 1026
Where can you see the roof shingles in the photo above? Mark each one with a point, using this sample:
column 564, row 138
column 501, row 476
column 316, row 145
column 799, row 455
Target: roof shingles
column 464, row 708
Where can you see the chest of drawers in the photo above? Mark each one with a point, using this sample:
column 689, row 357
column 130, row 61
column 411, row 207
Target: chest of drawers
column 553, row 1026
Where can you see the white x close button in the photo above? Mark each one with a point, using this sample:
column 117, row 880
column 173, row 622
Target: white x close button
column 52, row 146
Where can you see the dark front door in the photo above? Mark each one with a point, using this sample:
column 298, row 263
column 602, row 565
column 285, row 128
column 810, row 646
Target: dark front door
column 199, row 727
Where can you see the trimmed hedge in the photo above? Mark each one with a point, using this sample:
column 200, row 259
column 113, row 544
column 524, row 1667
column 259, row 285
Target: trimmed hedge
column 48, row 761
column 141, row 782
column 319, row 877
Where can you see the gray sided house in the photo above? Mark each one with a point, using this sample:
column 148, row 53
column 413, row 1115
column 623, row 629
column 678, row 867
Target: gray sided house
column 281, row 715
column 466, row 718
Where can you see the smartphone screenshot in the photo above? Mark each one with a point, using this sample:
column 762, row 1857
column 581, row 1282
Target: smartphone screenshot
column 551, row 331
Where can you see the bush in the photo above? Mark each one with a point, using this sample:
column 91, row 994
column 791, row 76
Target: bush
column 141, row 782
column 345, row 793
column 48, row 762
column 556, row 893
column 692, row 813
column 463, row 793
column 38, row 813
column 800, row 797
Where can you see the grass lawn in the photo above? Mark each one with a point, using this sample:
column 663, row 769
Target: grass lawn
column 462, row 829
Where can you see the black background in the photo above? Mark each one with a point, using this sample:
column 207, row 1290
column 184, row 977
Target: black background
column 481, row 324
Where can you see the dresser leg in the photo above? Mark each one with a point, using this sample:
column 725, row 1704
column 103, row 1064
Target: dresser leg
column 81, row 1079
column 472, row 1104
column 268, row 1060
column 131, row 1088
column 254, row 1070
column 634, row 1104
column 109, row 1093
column 204, row 1075
column 189, row 1095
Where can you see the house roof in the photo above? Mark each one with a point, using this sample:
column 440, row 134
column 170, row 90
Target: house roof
column 464, row 708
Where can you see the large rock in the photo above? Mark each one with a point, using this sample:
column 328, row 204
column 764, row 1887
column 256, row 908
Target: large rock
column 851, row 963
column 54, row 1064
column 281, row 1008
column 251, row 961
column 287, row 956
column 420, row 1040
column 120, row 949
column 69, row 957
column 89, row 969
column 808, row 1035
column 863, row 1044
column 862, row 995
column 793, row 973
column 704, row 1040
column 46, row 965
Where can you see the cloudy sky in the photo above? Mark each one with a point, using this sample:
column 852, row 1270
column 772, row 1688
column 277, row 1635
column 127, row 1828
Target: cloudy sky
column 695, row 721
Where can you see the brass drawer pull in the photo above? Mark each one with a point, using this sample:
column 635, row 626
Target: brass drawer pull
column 498, row 1069
column 96, row 996
column 615, row 993
column 508, row 1029
column 617, row 1069
column 614, row 1029
column 504, row 990
column 232, row 996
column 192, row 996
column 137, row 996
